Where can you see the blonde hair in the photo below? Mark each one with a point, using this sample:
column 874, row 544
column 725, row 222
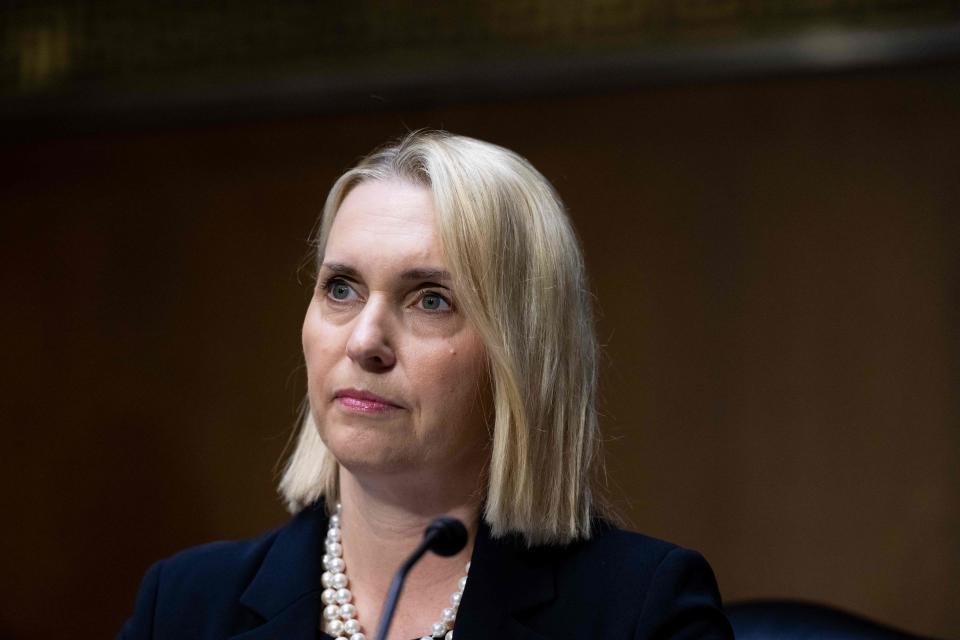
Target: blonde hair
column 520, row 280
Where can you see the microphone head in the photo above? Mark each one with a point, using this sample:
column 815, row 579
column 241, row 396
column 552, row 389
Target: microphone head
column 447, row 536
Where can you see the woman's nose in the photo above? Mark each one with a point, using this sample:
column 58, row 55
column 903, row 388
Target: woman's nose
column 370, row 343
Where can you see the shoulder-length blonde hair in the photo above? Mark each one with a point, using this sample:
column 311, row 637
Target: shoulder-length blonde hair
column 519, row 275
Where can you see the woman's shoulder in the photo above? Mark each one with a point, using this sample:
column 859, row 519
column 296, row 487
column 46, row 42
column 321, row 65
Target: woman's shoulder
column 224, row 561
column 243, row 557
column 607, row 536
column 640, row 586
column 632, row 553
column 199, row 587
column 217, row 586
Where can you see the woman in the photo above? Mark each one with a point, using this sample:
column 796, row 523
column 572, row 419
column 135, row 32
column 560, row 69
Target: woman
column 451, row 369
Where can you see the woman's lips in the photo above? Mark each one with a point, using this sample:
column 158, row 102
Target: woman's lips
column 364, row 401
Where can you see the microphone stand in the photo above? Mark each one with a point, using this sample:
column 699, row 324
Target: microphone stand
column 446, row 536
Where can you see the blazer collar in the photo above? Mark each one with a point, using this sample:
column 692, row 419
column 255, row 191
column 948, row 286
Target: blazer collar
column 286, row 589
column 505, row 578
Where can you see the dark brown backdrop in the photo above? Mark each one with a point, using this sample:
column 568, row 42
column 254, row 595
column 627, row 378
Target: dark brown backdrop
column 775, row 270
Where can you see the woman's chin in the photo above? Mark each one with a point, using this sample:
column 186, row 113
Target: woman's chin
column 363, row 457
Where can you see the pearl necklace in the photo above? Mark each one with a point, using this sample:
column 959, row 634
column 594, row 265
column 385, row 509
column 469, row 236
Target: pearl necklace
column 340, row 614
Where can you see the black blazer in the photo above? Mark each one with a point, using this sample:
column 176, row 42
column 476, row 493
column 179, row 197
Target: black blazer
column 616, row 585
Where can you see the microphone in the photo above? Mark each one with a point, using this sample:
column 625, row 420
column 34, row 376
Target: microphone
column 445, row 536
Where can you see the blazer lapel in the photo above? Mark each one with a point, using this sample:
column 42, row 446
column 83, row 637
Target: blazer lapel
column 505, row 579
column 296, row 622
column 285, row 592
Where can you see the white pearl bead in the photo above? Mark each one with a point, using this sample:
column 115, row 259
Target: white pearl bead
column 427, row 638
column 331, row 611
column 333, row 534
column 455, row 598
column 336, row 565
column 335, row 520
column 329, row 596
column 327, row 579
column 326, row 560
column 449, row 635
column 358, row 636
column 351, row 626
column 338, row 581
column 448, row 615
column 335, row 549
column 348, row 611
column 438, row 629
column 462, row 584
column 344, row 596
column 334, row 627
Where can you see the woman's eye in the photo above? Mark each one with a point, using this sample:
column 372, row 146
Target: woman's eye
column 434, row 302
column 339, row 290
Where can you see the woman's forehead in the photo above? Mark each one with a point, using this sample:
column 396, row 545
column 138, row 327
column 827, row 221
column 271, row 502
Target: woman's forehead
column 386, row 223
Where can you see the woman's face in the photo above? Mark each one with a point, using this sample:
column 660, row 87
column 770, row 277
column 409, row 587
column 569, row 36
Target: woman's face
column 396, row 374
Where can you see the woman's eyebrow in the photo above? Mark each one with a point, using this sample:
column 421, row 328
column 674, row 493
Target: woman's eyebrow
column 417, row 273
column 340, row 269
column 425, row 273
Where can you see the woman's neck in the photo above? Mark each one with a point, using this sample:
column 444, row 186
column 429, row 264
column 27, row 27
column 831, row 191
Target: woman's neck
column 382, row 522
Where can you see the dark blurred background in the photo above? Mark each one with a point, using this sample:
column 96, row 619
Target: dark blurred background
column 767, row 192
